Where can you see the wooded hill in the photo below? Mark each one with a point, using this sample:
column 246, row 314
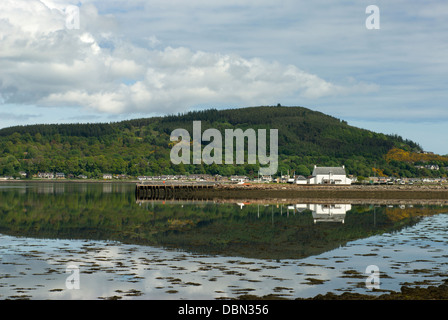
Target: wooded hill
column 142, row 146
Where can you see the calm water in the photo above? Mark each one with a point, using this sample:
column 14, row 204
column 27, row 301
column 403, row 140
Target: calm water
column 116, row 247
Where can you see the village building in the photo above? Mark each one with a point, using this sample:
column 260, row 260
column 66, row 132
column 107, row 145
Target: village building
column 121, row 176
column 239, row 178
column 300, row 180
column 432, row 167
column 23, row 174
column 45, row 175
column 329, row 175
column 107, row 176
column 201, row 177
column 266, row 178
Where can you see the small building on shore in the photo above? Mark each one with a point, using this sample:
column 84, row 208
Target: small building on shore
column 107, row 176
column 329, row 175
column 45, row 175
column 300, row 180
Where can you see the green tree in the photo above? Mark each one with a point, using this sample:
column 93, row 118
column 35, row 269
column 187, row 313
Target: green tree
column 303, row 170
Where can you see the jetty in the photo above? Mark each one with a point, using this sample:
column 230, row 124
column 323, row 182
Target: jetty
column 171, row 190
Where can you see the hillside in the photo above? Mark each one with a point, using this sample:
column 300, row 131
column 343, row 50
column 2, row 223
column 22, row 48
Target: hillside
column 142, row 146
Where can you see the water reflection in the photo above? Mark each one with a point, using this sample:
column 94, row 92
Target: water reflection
column 329, row 212
column 205, row 248
column 266, row 229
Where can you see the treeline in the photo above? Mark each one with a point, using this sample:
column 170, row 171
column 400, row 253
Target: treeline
column 142, row 146
column 46, row 130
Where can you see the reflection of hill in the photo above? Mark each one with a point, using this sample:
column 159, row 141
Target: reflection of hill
column 270, row 232
column 410, row 212
column 253, row 230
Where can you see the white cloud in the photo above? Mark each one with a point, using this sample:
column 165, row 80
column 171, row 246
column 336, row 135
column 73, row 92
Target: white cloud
column 163, row 56
column 97, row 68
column 177, row 78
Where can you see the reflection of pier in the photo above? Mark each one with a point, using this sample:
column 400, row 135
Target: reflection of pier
column 172, row 191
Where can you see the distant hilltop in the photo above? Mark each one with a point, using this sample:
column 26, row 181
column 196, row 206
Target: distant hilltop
column 141, row 147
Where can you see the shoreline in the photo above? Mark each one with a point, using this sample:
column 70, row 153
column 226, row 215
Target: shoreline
column 309, row 193
column 68, row 181
column 355, row 194
column 251, row 185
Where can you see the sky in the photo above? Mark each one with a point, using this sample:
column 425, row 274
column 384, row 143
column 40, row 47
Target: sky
column 79, row 61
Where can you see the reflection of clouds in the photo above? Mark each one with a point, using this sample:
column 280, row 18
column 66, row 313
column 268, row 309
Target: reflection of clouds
column 105, row 257
column 113, row 269
column 153, row 281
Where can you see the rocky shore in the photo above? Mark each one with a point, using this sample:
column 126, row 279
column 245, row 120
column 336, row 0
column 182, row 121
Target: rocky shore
column 406, row 293
column 353, row 187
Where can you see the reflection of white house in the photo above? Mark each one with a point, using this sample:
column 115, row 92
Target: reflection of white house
column 329, row 175
column 323, row 212
column 329, row 212
column 298, row 208
column 301, row 207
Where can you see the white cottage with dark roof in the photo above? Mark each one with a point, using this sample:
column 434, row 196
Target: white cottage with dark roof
column 329, row 175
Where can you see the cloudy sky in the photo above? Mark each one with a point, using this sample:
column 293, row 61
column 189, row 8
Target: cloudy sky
column 140, row 58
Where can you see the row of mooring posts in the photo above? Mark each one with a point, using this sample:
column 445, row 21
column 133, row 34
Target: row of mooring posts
column 169, row 191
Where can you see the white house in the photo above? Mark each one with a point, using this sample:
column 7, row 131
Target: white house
column 46, row 175
column 300, row 180
column 60, row 175
column 329, row 175
column 266, row 178
column 107, row 176
column 23, row 174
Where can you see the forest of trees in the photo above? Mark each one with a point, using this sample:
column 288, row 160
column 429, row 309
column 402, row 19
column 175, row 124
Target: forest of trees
column 142, row 146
